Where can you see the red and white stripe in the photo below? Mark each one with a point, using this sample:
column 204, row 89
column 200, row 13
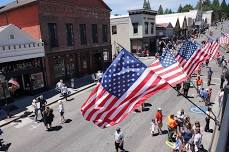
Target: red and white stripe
column 173, row 74
column 214, row 50
column 105, row 109
column 224, row 40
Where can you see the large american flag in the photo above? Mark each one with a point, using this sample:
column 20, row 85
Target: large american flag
column 169, row 68
column 214, row 50
column 191, row 56
column 125, row 85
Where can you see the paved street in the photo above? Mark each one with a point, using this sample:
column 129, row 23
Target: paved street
column 81, row 136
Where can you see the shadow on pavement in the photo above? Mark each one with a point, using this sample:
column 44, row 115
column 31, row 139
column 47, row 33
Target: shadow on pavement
column 55, row 128
column 145, row 109
column 68, row 121
column 147, row 105
column 165, row 132
column 5, row 147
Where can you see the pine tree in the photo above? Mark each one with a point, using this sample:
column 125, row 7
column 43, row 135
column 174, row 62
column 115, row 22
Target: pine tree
column 215, row 5
column 170, row 11
column 224, row 8
column 187, row 8
column 179, row 9
column 160, row 10
column 166, row 11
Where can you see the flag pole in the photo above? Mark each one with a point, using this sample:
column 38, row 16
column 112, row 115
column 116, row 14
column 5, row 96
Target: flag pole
column 215, row 120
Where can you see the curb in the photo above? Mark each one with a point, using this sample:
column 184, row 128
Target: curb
column 19, row 117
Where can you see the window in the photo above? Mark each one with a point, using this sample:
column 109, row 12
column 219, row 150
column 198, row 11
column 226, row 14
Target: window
column 11, row 36
column 83, row 34
column 152, row 28
column 146, row 27
column 53, row 34
column 94, row 33
column 135, row 28
column 37, row 81
column 69, row 34
column 114, row 29
column 105, row 32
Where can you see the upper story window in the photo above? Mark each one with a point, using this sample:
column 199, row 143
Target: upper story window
column 114, row 29
column 152, row 28
column 53, row 38
column 83, row 34
column 94, row 33
column 146, row 27
column 69, row 34
column 11, row 36
column 135, row 28
column 105, row 32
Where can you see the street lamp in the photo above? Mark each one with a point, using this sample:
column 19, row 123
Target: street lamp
column 3, row 84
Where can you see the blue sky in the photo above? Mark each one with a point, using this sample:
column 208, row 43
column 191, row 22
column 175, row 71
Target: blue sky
column 121, row 6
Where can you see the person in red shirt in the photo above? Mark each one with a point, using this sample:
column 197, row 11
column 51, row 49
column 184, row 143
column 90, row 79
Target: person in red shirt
column 159, row 117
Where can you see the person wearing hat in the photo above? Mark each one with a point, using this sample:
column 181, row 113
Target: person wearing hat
column 119, row 139
column 159, row 118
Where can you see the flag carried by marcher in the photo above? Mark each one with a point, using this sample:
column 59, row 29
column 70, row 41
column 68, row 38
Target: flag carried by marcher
column 125, row 85
column 168, row 68
column 191, row 56
column 214, row 50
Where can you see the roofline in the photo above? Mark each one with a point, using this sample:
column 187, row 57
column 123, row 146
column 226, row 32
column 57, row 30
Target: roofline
column 106, row 6
column 16, row 7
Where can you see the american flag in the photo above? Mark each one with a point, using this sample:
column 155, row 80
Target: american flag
column 214, row 50
column 125, row 85
column 168, row 68
column 191, row 56
column 224, row 39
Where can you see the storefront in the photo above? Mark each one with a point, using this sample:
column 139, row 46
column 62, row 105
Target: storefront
column 28, row 73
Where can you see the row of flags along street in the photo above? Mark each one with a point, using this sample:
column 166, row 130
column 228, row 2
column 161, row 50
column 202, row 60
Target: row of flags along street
column 128, row 82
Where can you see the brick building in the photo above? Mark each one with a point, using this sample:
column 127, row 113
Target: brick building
column 75, row 33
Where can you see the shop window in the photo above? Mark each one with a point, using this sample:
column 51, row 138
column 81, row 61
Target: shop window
column 94, row 33
column 70, row 66
column 37, row 81
column 69, row 34
column 83, row 34
column 105, row 32
column 53, row 37
column 106, row 56
column 135, row 28
column 59, row 69
column 114, row 29
column 146, row 27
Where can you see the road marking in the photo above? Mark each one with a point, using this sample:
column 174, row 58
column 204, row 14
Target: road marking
column 170, row 144
column 194, row 109
column 23, row 122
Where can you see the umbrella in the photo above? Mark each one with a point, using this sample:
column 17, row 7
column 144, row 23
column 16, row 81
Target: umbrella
column 14, row 82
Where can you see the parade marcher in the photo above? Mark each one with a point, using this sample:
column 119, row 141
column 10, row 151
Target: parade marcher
column 35, row 107
column 172, row 127
column 180, row 119
column 199, row 84
column 45, row 114
column 187, row 134
column 186, row 86
column 210, row 72
column 222, row 79
column 159, row 118
column 207, row 120
column 178, row 87
column 61, row 111
column 197, row 139
column 50, row 118
column 64, row 92
column 59, row 85
column 220, row 97
column 154, row 127
column 178, row 143
column 207, row 62
column 119, row 139
column 43, row 103
column 204, row 95
column 208, row 99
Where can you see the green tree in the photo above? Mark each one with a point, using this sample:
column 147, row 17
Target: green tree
column 170, row 11
column 224, row 8
column 179, row 9
column 187, row 8
column 166, row 11
column 215, row 5
column 160, row 10
column 206, row 5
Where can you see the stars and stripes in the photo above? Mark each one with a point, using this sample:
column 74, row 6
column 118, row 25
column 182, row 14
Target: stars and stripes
column 125, row 85
column 168, row 68
column 224, row 39
column 214, row 50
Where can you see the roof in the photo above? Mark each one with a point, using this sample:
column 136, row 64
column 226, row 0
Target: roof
column 142, row 11
column 118, row 16
column 16, row 4
column 164, row 25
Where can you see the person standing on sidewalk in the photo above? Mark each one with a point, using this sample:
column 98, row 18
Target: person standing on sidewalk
column 210, row 72
column 61, row 110
column 59, row 85
column 119, row 139
column 207, row 120
column 64, row 92
column 178, row 87
column 186, row 86
column 35, row 107
column 43, row 103
column 159, row 118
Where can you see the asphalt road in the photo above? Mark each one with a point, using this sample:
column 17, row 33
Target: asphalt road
column 82, row 136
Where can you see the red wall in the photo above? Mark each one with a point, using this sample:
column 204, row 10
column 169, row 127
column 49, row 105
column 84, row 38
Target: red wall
column 25, row 17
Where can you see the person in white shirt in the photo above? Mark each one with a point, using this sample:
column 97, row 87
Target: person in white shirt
column 220, row 97
column 64, row 92
column 154, row 127
column 197, row 139
column 119, row 139
column 61, row 110
column 35, row 107
column 59, row 85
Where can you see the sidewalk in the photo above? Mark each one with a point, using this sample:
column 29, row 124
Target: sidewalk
column 24, row 108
